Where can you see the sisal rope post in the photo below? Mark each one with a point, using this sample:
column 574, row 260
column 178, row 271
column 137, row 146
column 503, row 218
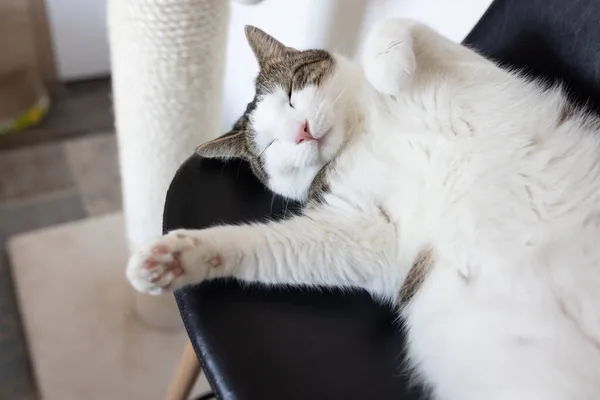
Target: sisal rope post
column 167, row 69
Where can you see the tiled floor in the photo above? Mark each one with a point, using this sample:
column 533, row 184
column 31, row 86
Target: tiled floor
column 46, row 180
column 29, row 172
column 93, row 164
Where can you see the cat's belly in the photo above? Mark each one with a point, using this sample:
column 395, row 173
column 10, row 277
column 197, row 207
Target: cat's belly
column 484, row 333
column 509, row 314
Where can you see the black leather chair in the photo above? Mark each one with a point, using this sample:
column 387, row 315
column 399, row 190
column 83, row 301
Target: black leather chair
column 259, row 343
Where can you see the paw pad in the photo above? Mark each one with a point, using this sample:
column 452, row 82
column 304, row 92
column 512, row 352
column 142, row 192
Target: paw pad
column 172, row 261
column 215, row 262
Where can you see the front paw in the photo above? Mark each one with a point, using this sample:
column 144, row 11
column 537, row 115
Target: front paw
column 175, row 260
column 389, row 59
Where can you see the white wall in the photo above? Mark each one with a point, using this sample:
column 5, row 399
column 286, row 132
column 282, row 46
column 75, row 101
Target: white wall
column 452, row 18
column 79, row 38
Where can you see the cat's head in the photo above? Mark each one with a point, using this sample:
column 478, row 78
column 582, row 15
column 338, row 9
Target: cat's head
column 298, row 120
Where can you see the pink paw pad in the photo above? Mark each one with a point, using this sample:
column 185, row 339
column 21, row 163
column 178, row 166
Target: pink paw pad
column 215, row 261
column 159, row 271
column 150, row 264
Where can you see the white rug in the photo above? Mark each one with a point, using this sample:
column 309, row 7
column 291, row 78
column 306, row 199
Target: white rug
column 78, row 310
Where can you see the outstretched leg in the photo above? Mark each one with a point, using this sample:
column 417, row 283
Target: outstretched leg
column 321, row 247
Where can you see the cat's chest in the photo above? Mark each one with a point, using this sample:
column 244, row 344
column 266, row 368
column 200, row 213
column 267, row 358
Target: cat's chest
column 401, row 176
column 430, row 185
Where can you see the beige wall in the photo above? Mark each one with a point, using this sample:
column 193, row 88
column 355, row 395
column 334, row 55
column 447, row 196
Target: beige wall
column 25, row 55
column 16, row 35
column 41, row 40
column 24, row 36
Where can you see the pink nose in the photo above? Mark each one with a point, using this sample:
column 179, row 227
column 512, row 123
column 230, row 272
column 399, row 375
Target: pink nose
column 304, row 133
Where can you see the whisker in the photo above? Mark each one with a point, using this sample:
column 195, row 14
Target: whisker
column 322, row 106
column 272, row 202
column 237, row 173
column 335, row 76
column 265, row 149
column 338, row 97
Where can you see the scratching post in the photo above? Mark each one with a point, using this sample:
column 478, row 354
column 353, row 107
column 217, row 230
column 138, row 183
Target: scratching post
column 167, row 66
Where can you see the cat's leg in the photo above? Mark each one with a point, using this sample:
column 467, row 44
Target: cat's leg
column 396, row 51
column 319, row 248
column 389, row 59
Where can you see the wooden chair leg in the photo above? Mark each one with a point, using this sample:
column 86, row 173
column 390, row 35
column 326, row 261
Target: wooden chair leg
column 185, row 376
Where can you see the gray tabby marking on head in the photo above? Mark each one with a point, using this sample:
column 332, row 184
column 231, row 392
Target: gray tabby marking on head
column 279, row 67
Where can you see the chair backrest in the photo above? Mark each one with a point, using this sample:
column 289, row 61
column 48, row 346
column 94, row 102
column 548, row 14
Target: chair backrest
column 555, row 39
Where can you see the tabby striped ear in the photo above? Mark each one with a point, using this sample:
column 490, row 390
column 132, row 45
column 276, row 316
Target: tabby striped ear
column 263, row 45
column 230, row 145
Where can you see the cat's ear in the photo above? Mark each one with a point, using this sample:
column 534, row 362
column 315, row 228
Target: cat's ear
column 263, row 45
column 230, row 145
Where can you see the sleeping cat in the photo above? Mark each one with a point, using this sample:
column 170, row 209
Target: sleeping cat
column 465, row 194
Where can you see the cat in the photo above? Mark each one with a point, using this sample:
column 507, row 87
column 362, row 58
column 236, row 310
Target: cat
column 463, row 193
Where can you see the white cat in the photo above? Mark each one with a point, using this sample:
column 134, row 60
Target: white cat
column 463, row 193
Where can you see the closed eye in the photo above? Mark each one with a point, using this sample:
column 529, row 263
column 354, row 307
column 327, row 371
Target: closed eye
column 291, row 89
column 290, row 96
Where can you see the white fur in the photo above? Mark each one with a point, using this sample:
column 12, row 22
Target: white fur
column 463, row 158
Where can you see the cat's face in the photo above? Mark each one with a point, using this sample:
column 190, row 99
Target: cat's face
column 296, row 123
